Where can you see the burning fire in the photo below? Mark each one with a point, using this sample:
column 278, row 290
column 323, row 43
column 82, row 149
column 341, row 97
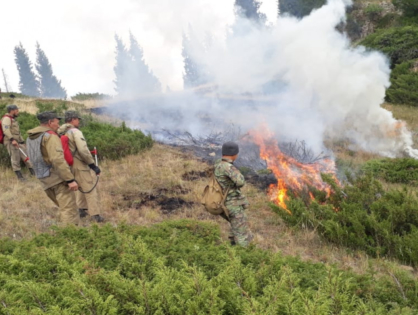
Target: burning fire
column 291, row 174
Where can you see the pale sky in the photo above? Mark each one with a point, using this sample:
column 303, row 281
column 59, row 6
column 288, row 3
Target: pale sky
column 78, row 36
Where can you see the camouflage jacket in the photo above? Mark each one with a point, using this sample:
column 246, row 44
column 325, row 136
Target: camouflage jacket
column 228, row 176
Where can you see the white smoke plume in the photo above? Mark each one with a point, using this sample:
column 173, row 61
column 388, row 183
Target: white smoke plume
column 301, row 77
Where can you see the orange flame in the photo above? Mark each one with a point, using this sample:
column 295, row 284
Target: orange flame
column 291, row 174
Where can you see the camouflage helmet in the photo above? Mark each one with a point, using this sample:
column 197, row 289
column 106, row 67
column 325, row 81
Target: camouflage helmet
column 71, row 114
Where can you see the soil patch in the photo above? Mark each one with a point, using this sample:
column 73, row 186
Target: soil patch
column 169, row 205
column 195, row 175
column 157, row 199
column 174, row 190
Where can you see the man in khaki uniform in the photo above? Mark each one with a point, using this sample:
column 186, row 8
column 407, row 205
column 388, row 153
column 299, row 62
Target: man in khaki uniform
column 88, row 203
column 46, row 153
column 13, row 140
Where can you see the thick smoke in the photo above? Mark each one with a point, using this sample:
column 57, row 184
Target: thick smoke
column 301, row 77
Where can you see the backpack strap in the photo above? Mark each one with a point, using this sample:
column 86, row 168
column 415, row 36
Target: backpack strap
column 225, row 194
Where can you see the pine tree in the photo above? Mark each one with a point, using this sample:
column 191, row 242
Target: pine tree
column 191, row 72
column 122, row 68
column 251, row 10
column 142, row 77
column 49, row 85
column 195, row 73
column 28, row 84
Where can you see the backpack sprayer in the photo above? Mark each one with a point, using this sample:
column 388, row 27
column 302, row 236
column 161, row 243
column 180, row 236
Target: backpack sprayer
column 95, row 158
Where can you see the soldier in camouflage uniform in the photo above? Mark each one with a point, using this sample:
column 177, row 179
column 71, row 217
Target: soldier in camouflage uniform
column 231, row 179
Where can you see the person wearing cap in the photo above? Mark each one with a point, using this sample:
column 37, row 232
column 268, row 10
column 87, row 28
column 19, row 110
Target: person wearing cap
column 14, row 142
column 47, row 155
column 88, row 203
column 231, row 181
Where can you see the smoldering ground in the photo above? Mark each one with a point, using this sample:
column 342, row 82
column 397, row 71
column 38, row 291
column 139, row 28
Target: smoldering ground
column 300, row 77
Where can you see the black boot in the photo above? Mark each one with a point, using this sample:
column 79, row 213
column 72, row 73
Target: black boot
column 232, row 240
column 20, row 176
column 83, row 213
column 98, row 218
column 32, row 172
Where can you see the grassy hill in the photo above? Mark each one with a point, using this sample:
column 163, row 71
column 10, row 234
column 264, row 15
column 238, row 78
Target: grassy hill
column 161, row 253
column 150, row 194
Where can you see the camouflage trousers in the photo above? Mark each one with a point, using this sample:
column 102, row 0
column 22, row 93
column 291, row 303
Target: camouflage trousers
column 240, row 231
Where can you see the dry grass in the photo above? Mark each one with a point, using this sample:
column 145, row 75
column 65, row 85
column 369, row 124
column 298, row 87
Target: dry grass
column 29, row 104
column 409, row 114
column 127, row 188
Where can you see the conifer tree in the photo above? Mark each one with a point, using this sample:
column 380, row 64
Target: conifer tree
column 191, row 72
column 195, row 73
column 251, row 10
column 122, row 68
column 49, row 85
column 28, row 84
column 142, row 77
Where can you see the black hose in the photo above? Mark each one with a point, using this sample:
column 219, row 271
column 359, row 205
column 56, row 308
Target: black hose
column 87, row 192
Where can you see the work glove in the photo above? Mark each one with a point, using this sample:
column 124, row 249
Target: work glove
column 95, row 168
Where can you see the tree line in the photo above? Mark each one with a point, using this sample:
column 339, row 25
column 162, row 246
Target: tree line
column 43, row 83
column 133, row 77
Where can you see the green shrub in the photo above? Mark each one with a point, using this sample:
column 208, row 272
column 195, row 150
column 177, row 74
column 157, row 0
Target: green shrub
column 373, row 11
column 402, row 171
column 364, row 216
column 111, row 142
column 115, row 142
column 399, row 43
column 58, row 106
column 408, row 7
column 404, row 84
column 90, row 96
column 181, row 267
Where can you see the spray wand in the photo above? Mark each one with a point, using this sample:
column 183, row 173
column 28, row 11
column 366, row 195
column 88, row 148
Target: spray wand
column 95, row 155
column 26, row 157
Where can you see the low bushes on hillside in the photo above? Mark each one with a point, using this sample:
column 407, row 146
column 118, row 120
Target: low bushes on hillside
column 112, row 142
column 399, row 43
column 364, row 216
column 181, row 267
column 11, row 95
column 401, row 171
column 90, row 96
column 408, row 7
column 404, row 84
column 115, row 142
